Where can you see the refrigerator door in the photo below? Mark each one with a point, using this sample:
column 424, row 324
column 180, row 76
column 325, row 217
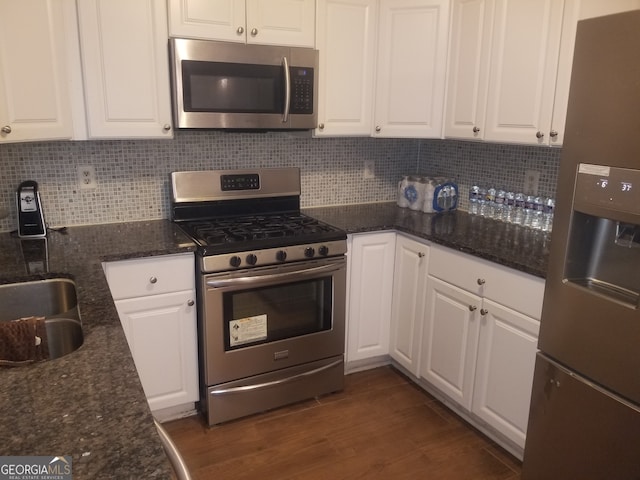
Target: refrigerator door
column 578, row 430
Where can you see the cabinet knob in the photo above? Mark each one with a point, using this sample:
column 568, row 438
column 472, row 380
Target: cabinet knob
column 191, row 303
column 483, row 311
column 472, row 308
column 254, row 32
column 321, row 126
column 240, row 30
column 553, row 134
column 166, row 127
column 378, row 128
column 539, row 134
column 153, row 280
column 481, row 281
column 6, row 129
column 476, row 129
column 421, row 254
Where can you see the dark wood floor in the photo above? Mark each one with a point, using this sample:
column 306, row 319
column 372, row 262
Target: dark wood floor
column 381, row 427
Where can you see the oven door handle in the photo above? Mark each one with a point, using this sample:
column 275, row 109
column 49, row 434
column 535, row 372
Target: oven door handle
column 270, row 278
column 293, row 378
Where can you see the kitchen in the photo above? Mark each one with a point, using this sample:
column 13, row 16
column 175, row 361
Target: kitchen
column 132, row 175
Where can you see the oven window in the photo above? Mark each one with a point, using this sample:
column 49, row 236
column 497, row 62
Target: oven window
column 232, row 88
column 266, row 314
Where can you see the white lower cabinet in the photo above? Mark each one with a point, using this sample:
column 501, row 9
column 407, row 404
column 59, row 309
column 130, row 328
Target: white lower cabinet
column 370, row 279
column 504, row 370
column 155, row 298
column 409, row 296
column 479, row 339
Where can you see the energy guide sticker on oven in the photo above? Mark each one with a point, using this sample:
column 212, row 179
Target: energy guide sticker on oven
column 247, row 330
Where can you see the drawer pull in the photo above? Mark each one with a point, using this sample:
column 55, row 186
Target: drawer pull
column 480, row 281
column 153, row 280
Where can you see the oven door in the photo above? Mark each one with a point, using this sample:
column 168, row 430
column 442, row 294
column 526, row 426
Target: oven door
column 264, row 319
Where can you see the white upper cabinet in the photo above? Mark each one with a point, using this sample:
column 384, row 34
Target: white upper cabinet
column 468, row 68
column 574, row 11
column 523, row 67
column 125, row 68
column 411, row 71
column 346, row 41
column 34, row 70
column 273, row 22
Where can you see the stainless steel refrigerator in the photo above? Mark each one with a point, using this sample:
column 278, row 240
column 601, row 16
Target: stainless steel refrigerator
column 584, row 421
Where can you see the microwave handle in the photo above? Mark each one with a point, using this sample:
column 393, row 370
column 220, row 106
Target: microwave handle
column 287, row 90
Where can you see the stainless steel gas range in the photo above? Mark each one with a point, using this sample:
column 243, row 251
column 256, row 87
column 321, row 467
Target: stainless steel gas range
column 271, row 286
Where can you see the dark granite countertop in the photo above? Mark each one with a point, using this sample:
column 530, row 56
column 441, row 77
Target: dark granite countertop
column 90, row 403
column 510, row 245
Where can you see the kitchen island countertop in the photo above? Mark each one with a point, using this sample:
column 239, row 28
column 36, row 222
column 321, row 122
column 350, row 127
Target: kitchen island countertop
column 88, row 404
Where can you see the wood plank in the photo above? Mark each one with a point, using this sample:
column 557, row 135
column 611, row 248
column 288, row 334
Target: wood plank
column 381, row 426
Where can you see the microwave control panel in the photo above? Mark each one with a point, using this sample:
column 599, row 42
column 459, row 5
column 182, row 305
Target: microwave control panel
column 301, row 90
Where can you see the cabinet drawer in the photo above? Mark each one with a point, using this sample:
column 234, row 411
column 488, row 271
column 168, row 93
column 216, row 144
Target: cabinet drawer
column 517, row 290
column 150, row 276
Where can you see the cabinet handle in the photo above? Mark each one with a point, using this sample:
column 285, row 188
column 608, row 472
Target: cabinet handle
column 476, row 129
column 166, row 127
column 483, row 311
column 240, row 30
column 378, row 128
column 539, row 134
column 254, row 32
column 6, row 129
column 191, row 303
column 481, row 281
column 553, row 134
column 153, row 280
column 472, row 308
column 321, row 126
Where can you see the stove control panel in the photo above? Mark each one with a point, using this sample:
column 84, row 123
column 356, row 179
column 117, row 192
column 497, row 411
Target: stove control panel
column 232, row 182
column 270, row 256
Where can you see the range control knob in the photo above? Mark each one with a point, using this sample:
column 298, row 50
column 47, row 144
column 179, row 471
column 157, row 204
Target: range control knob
column 235, row 261
column 309, row 252
column 252, row 259
column 281, row 255
column 323, row 250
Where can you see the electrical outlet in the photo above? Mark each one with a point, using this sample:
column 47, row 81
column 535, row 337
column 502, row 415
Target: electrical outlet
column 87, row 177
column 531, row 181
column 369, row 170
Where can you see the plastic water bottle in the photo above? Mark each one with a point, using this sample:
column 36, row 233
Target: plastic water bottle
column 474, row 192
column 547, row 214
column 518, row 216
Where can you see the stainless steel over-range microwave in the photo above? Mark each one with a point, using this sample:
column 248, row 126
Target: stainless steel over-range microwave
column 226, row 85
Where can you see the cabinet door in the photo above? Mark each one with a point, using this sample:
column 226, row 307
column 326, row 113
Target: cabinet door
column 161, row 333
column 34, row 96
column 371, row 258
column 125, row 67
column 574, row 11
column 409, row 292
column 450, row 340
column 468, row 68
column 412, row 56
column 219, row 20
column 281, row 22
column 346, row 41
column 525, row 50
column 504, row 370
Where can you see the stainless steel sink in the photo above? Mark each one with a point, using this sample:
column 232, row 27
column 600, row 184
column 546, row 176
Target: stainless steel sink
column 55, row 299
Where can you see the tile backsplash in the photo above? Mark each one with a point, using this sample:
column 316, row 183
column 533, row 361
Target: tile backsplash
column 133, row 175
